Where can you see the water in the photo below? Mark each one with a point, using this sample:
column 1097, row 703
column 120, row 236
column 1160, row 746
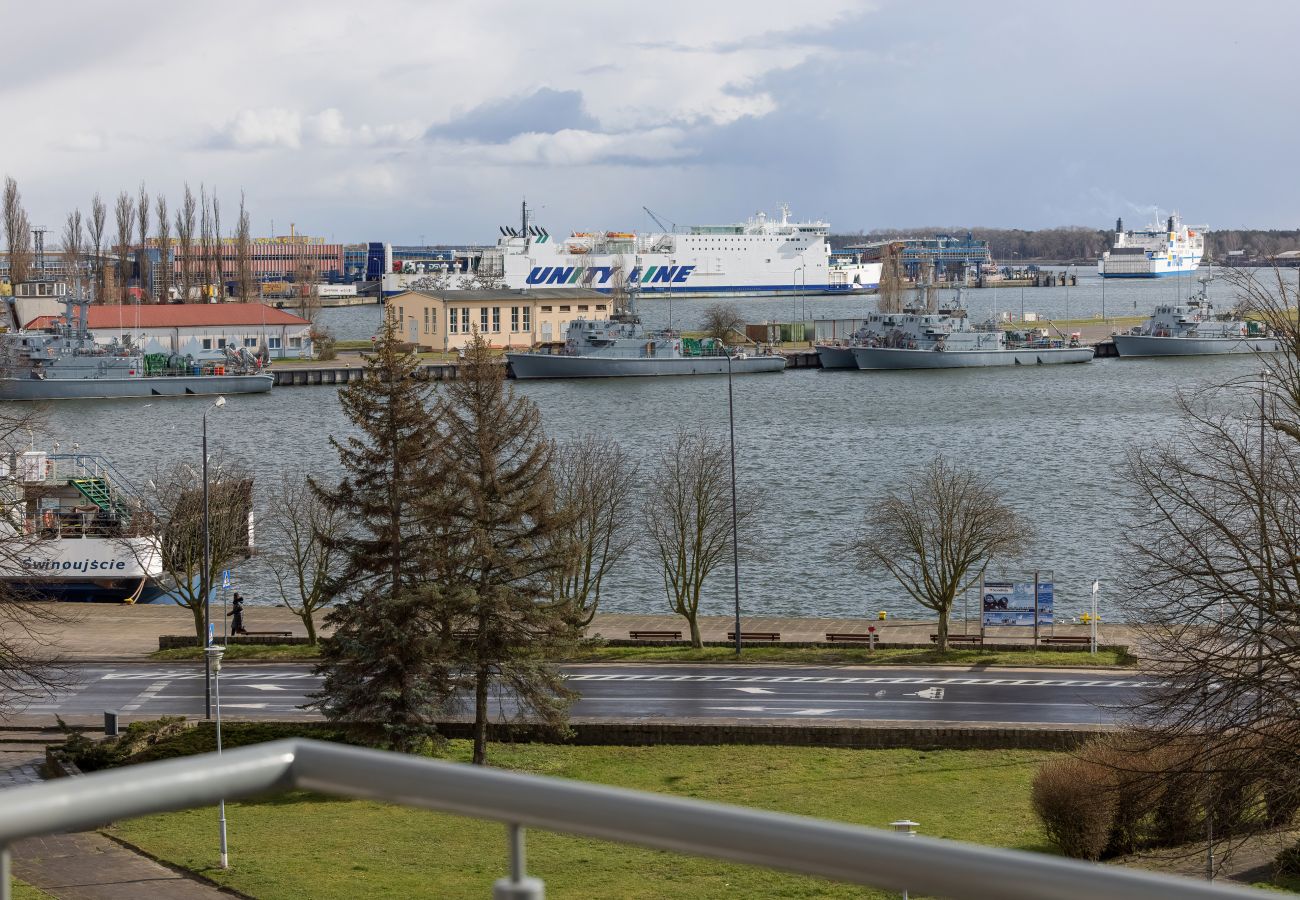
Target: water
column 821, row 445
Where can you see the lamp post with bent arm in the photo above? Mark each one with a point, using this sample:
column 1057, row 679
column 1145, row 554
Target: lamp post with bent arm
column 205, row 581
column 735, row 541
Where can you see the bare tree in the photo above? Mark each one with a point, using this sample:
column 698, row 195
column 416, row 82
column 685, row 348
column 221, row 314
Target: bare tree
column 142, row 256
column 243, row 253
column 595, row 482
column 938, row 533
column 175, row 503
column 164, row 249
column 303, row 549
column 218, row 249
column 687, row 515
column 205, row 244
column 96, row 227
column 73, row 242
column 125, row 212
column 723, row 321
column 185, row 224
column 18, row 234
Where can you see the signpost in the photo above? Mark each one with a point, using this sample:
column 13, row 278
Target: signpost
column 1092, row 620
column 1024, row 603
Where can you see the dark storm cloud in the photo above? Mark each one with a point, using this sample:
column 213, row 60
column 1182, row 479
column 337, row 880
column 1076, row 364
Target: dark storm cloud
column 545, row 111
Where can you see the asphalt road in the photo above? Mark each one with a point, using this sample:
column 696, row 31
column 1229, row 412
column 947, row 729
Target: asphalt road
column 945, row 696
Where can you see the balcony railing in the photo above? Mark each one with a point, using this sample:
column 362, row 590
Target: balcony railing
column 839, row 852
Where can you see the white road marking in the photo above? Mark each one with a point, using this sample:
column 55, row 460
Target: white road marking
column 775, row 709
column 753, row 690
column 144, row 696
column 245, row 705
column 930, row 693
column 828, row 679
column 267, row 687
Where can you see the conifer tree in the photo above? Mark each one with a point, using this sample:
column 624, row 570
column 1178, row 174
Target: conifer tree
column 386, row 667
column 505, row 520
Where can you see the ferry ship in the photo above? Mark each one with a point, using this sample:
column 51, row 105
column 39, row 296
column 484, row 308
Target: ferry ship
column 1153, row 252
column 762, row 257
column 76, row 530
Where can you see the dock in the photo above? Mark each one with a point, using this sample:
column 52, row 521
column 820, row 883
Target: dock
column 298, row 376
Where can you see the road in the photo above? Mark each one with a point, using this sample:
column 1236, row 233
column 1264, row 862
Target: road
column 940, row 696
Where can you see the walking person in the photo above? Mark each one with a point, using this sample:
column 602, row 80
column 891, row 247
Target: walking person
column 237, row 610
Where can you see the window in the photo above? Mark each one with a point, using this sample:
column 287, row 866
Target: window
column 496, row 318
column 600, row 307
column 453, row 321
column 295, row 343
column 528, row 314
column 273, row 343
column 250, row 342
column 546, row 309
column 483, row 319
column 464, row 319
column 221, row 343
column 564, row 309
column 582, row 308
column 433, row 319
column 207, row 343
column 514, row 318
column 426, row 320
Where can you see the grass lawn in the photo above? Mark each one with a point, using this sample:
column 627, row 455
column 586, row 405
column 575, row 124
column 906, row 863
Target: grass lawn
column 306, row 846
column 758, row 654
column 21, row 890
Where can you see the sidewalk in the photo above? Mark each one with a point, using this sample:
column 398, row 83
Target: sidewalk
column 105, row 632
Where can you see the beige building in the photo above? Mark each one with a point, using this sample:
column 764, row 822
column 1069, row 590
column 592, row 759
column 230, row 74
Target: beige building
column 446, row 320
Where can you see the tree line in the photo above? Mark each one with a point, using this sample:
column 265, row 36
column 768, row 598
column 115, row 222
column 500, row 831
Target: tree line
column 107, row 258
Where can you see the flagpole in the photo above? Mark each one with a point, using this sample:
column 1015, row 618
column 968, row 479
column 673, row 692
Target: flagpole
column 1096, row 586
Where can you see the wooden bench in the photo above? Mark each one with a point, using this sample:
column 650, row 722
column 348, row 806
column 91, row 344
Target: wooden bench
column 755, row 635
column 849, row 638
column 266, row 633
column 654, row 635
column 959, row 639
column 1065, row 639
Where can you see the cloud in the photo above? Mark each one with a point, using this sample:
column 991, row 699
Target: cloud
column 575, row 147
column 544, row 111
column 278, row 128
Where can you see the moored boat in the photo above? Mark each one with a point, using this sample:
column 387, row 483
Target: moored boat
column 1193, row 328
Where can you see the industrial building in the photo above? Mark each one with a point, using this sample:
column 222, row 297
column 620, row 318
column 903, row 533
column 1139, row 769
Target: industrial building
column 951, row 258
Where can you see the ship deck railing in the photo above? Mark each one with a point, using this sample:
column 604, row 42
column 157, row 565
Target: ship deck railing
column 851, row 854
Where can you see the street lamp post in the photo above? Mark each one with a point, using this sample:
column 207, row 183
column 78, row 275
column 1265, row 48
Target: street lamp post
column 213, row 656
column 735, row 541
column 205, row 580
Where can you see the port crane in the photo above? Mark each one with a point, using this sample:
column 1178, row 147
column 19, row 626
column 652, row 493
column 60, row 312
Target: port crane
column 660, row 222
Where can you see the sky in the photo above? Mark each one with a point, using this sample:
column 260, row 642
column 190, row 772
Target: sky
column 423, row 120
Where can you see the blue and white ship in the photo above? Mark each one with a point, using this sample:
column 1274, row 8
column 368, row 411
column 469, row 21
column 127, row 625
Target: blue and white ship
column 762, row 257
column 1153, row 252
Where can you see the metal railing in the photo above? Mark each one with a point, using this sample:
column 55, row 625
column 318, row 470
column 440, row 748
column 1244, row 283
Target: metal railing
column 839, row 852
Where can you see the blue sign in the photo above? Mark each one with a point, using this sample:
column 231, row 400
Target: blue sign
column 1012, row 603
column 212, row 634
column 225, row 578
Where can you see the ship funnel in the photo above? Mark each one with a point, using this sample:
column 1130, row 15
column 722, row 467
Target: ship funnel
column 1171, row 223
column 1119, row 226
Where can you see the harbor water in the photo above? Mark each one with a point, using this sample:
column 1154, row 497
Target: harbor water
column 821, row 445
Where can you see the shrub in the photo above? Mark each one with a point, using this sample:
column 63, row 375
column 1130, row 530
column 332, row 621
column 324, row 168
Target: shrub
column 1076, row 802
column 1134, row 778
column 1287, row 863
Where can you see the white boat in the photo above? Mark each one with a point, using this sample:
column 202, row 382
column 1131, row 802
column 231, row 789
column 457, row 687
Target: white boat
column 760, row 257
column 1194, row 329
column 76, row 531
column 1153, row 252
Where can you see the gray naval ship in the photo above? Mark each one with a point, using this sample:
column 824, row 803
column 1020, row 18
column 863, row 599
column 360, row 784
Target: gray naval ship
column 620, row 347
column 929, row 337
column 67, row 364
column 1194, row 329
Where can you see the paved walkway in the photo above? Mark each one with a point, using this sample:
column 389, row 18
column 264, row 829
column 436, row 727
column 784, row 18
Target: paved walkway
column 86, row 865
column 112, row 632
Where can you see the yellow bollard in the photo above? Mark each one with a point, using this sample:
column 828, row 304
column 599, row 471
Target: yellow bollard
column 882, row 615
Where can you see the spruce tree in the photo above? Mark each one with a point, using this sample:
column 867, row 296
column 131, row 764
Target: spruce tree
column 505, row 524
column 385, row 668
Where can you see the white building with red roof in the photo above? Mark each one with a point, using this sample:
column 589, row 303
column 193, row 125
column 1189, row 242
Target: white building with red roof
column 199, row 330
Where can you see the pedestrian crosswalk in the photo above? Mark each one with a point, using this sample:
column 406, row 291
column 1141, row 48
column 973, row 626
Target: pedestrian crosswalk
column 864, row 679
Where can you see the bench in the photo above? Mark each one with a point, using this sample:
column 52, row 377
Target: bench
column 654, row 635
column 849, row 638
column 755, row 635
column 959, row 639
column 266, row 633
column 1066, row 639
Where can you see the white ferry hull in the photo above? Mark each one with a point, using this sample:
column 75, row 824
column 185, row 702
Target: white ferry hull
column 548, row 365
column 881, row 358
column 1150, row 345
column 88, row 570
column 836, row 357
column 113, row 388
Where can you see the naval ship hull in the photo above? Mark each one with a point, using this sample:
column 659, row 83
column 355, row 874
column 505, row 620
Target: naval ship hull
column 899, row 358
column 836, row 357
column 548, row 365
column 109, row 388
column 1150, row 345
